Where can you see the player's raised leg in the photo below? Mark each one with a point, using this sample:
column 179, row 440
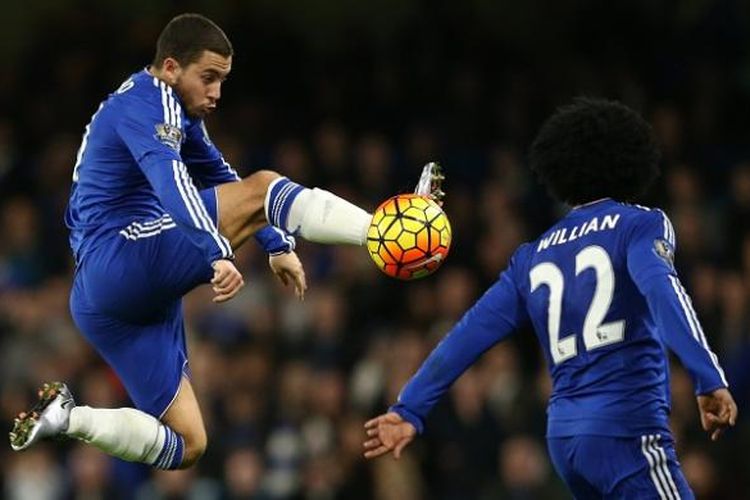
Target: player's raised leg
column 130, row 434
column 149, row 356
column 266, row 197
column 185, row 418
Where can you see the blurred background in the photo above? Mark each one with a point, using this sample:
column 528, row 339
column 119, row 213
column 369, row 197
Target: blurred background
column 355, row 97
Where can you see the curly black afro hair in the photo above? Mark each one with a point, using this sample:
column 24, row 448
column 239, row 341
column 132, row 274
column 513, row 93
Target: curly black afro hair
column 595, row 148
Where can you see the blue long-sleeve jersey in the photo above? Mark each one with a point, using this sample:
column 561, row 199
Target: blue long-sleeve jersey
column 140, row 165
column 602, row 294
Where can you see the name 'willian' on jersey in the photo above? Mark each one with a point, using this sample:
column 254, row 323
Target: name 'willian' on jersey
column 602, row 294
column 141, row 161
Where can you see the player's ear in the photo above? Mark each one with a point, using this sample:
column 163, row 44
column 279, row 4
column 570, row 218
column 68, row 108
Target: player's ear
column 170, row 68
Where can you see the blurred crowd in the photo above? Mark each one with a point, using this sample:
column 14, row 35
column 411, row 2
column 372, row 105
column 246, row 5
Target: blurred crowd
column 286, row 386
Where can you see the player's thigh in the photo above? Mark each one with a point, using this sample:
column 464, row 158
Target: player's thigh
column 240, row 205
column 657, row 472
column 184, row 417
column 150, row 359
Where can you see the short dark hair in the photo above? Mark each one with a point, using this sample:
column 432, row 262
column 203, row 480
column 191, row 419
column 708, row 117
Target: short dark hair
column 187, row 36
column 595, row 148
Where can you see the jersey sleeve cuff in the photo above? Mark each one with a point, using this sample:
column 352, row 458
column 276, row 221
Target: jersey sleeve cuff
column 409, row 416
column 275, row 241
column 703, row 389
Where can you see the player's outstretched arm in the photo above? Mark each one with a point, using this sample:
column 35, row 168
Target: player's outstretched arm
column 288, row 268
column 718, row 412
column 388, row 432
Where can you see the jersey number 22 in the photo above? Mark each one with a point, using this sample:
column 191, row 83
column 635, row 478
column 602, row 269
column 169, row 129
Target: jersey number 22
column 596, row 333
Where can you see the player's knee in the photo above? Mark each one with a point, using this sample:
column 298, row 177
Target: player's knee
column 254, row 195
column 195, row 447
column 259, row 181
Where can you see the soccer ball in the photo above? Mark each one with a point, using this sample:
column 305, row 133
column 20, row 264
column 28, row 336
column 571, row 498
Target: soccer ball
column 409, row 236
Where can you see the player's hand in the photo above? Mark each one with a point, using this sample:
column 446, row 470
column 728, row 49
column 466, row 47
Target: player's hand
column 227, row 280
column 718, row 411
column 388, row 432
column 287, row 267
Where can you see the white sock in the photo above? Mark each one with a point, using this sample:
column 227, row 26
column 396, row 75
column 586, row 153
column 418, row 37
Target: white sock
column 126, row 433
column 323, row 217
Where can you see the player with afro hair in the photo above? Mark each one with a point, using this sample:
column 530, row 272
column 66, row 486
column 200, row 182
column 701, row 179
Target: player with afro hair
column 595, row 148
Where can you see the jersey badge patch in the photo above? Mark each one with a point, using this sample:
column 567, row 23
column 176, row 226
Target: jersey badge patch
column 664, row 250
column 169, row 135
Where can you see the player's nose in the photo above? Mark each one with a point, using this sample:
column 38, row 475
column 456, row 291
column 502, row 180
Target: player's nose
column 214, row 92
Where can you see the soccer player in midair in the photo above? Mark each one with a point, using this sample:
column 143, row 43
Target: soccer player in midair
column 155, row 211
column 602, row 294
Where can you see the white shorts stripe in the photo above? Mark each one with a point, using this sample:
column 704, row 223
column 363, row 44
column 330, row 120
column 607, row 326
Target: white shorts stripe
column 645, row 440
column 664, row 464
column 659, row 466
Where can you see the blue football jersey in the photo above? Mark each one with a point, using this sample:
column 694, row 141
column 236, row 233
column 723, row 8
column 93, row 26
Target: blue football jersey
column 602, row 294
column 138, row 170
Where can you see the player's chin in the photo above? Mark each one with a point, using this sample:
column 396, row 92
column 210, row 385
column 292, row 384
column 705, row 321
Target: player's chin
column 202, row 112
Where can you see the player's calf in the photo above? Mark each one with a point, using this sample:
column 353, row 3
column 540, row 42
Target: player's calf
column 195, row 447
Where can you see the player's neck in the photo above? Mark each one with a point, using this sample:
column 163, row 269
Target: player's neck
column 155, row 72
column 158, row 74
